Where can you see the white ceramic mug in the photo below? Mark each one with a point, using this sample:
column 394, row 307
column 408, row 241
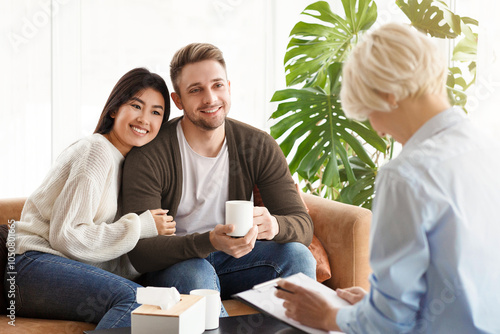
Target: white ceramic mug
column 240, row 214
column 213, row 306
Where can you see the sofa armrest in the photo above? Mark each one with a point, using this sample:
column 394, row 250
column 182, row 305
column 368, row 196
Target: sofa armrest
column 11, row 208
column 344, row 231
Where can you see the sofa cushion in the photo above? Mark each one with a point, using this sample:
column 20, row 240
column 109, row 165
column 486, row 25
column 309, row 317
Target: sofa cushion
column 4, row 231
column 323, row 270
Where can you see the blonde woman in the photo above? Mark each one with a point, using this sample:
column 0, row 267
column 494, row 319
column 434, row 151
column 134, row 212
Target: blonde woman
column 434, row 248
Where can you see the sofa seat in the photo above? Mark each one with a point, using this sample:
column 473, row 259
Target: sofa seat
column 342, row 229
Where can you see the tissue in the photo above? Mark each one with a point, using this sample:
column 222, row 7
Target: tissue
column 162, row 297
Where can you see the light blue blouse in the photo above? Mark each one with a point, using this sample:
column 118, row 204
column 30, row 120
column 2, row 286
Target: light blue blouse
column 435, row 236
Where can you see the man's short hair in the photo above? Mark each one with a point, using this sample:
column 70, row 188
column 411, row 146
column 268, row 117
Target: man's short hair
column 193, row 53
column 394, row 59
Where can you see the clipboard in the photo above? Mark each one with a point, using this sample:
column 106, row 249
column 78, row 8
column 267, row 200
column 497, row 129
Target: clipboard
column 261, row 297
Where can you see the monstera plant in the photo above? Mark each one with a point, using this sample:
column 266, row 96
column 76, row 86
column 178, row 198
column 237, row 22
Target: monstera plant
column 335, row 157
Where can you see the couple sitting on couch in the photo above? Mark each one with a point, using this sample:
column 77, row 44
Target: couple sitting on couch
column 82, row 250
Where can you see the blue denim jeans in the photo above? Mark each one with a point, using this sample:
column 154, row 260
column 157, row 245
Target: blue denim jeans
column 219, row 271
column 53, row 287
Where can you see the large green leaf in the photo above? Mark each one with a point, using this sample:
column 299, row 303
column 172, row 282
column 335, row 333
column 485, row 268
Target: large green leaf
column 362, row 18
column 456, row 86
column 460, row 25
column 318, row 120
column 362, row 191
column 429, row 18
column 435, row 18
column 359, row 192
column 466, row 49
column 315, row 46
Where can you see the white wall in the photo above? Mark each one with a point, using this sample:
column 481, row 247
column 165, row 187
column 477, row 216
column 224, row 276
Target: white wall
column 25, row 95
column 484, row 100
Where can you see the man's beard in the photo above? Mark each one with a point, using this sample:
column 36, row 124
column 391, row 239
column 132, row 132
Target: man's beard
column 203, row 124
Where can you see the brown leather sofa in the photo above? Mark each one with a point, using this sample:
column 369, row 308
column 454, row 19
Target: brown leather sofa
column 342, row 229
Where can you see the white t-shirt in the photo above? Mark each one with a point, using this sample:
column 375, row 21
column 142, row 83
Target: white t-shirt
column 205, row 187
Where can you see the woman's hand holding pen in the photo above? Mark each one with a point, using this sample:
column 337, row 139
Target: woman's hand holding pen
column 307, row 307
column 164, row 224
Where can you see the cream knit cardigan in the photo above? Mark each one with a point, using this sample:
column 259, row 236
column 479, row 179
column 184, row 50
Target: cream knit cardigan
column 72, row 214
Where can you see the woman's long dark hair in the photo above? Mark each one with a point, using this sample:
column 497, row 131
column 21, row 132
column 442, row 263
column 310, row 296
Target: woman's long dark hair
column 127, row 87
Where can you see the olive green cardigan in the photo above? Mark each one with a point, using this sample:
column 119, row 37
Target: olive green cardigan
column 152, row 179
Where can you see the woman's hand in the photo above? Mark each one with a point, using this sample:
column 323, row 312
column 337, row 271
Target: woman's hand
column 164, row 224
column 352, row 295
column 307, row 307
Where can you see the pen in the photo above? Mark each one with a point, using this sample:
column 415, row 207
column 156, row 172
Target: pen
column 266, row 284
column 280, row 288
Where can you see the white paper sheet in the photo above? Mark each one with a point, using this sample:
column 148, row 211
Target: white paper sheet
column 262, row 296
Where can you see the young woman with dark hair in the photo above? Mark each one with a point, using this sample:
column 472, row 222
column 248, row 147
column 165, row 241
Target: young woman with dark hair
column 71, row 260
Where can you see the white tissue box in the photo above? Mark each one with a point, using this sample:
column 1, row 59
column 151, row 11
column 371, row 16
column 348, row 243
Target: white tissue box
column 185, row 317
